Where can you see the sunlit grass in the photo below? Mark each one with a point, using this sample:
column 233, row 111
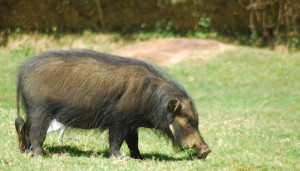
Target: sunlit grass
column 248, row 102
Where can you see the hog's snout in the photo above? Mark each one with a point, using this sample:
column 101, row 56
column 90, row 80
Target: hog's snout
column 203, row 152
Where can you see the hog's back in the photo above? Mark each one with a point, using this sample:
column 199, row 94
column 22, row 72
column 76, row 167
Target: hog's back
column 85, row 87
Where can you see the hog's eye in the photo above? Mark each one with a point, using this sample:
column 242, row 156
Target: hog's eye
column 191, row 121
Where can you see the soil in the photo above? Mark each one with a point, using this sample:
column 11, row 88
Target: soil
column 173, row 50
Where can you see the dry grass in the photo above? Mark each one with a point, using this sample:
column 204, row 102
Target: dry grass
column 40, row 43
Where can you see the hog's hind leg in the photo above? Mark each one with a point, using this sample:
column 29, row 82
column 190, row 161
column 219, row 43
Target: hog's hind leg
column 39, row 123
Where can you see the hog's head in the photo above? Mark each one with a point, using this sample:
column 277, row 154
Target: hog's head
column 183, row 127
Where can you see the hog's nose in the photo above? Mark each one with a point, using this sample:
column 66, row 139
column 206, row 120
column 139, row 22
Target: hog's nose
column 203, row 152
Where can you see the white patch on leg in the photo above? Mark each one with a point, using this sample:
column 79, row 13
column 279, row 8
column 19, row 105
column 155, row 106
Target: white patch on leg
column 56, row 126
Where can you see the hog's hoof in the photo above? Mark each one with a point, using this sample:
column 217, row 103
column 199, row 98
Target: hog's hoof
column 137, row 157
column 39, row 152
column 116, row 157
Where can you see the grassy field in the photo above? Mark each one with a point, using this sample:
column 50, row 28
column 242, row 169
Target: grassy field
column 249, row 105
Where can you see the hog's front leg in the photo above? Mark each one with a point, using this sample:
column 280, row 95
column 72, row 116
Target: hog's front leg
column 117, row 136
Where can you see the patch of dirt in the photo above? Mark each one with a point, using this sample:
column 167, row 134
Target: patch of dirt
column 164, row 52
column 173, row 50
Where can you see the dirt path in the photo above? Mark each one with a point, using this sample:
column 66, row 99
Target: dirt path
column 166, row 51
column 173, row 50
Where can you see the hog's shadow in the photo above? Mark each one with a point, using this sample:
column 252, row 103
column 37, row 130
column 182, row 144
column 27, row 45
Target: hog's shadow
column 163, row 157
column 75, row 152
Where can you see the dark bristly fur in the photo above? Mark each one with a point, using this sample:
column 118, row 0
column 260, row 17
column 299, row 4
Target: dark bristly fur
column 85, row 89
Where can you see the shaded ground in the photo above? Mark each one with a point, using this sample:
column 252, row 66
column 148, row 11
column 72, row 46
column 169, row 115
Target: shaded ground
column 173, row 50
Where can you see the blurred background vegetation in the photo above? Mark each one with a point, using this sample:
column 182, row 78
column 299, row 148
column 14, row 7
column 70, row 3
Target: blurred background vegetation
column 253, row 22
column 247, row 97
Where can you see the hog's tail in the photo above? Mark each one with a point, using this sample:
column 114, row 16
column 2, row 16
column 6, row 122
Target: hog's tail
column 18, row 97
column 19, row 122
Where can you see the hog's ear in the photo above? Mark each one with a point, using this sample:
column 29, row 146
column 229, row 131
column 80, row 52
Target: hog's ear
column 175, row 106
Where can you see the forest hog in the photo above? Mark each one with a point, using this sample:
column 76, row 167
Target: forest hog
column 87, row 90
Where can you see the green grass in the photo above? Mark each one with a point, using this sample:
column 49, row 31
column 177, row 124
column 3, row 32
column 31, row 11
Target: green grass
column 249, row 105
column 249, row 100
